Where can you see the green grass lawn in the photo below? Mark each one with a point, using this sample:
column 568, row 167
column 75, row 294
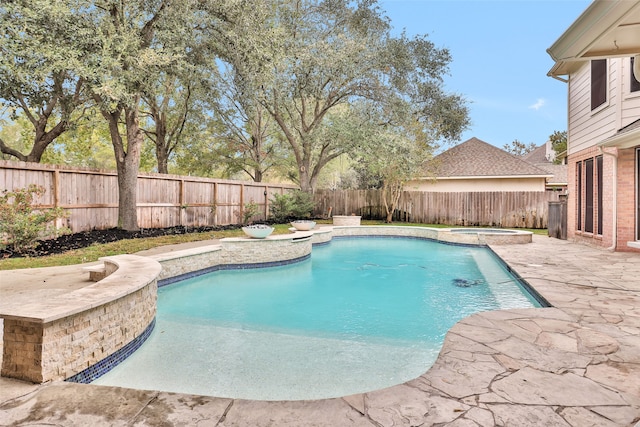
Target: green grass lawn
column 129, row 246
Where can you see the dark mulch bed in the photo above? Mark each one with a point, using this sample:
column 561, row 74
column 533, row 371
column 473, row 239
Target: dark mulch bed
column 83, row 239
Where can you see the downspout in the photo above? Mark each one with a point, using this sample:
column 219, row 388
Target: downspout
column 615, row 198
column 614, row 235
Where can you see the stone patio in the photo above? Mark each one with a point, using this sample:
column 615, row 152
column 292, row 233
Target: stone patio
column 576, row 364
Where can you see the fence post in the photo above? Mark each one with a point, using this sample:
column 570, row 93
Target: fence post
column 56, row 195
column 215, row 203
column 241, row 210
column 181, row 201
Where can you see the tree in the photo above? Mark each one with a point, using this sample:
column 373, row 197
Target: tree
column 136, row 42
column 247, row 137
column 392, row 156
column 333, row 52
column 172, row 108
column 42, row 44
column 518, row 148
column 558, row 143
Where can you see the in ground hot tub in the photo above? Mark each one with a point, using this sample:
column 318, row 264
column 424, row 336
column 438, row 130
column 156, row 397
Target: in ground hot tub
column 487, row 236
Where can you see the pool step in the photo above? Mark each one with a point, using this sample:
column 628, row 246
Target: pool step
column 96, row 272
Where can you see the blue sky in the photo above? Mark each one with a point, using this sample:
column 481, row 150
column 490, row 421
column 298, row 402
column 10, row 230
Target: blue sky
column 500, row 62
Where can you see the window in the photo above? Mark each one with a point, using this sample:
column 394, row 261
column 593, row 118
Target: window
column 634, row 84
column 588, row 189
column 590, row 195
column 579, row 188
column 638, row 194
column 599, row 171
column 598, row 83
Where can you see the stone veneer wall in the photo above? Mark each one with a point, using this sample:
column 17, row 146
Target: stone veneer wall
column 61, row 338
column 249, row 251
column 441, row 234
column 346, row 220
column 239, row 251
column 40, row 352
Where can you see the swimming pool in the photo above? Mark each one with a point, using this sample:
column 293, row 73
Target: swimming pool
column 360, row 315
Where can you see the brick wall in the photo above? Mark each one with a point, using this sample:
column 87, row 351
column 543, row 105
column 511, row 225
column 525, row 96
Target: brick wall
column 626, row 199
column 626, row 194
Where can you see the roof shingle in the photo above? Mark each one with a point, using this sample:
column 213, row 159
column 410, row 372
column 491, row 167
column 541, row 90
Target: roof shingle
column 478, row 158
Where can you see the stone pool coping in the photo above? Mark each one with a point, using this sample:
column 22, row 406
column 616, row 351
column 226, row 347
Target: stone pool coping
column 575, row 364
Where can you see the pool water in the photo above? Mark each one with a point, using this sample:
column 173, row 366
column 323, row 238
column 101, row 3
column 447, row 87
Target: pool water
column 360, row 315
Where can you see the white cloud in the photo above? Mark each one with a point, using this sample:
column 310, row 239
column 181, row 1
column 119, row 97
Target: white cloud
column 538, row 105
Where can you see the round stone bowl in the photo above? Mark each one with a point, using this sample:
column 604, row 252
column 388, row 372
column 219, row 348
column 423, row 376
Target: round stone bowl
column 258, row 231
column 303, row 225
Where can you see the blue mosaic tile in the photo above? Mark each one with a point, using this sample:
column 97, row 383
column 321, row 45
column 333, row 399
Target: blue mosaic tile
column 108, row 363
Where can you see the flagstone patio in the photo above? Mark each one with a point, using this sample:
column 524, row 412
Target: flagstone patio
column 576, row 364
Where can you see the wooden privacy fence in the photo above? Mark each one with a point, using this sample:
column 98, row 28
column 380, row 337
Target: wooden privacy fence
column 518, row 209
column 91, row 196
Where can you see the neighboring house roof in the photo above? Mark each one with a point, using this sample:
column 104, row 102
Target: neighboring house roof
column 539, row 155
column 538, row 158
column 605, row 29
column 559, row 173
column 476, row 158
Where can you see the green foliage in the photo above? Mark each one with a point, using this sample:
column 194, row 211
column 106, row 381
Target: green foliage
column 296, row 205
column 280, row 207
column 20, row 225
column 251, row 209
column 328, row 55
column 518, row 148
column 558, row 143
column 302, row 204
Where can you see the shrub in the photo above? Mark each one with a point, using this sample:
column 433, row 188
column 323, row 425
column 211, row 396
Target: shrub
column 302, row 204
column 251, row 209
column 296, row 205
column 280, row 207
column 20, row 225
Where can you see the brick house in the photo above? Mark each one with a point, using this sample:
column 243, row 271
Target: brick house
column 598, row 57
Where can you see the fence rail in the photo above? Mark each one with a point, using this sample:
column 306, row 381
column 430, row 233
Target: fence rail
column 91, row 196
column 521, row 209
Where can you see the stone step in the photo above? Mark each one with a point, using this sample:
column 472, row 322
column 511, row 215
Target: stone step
column 96, row 272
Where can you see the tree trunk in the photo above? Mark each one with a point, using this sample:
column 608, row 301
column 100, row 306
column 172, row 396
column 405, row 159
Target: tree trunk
column 128, row 172
column 162, row 148
column 127, row 163
column 162, row 156
column 41, row 141
column 305, row 182
column 395, row 191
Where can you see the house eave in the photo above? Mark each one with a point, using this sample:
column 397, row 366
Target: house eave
column 605, row 29
column 623, row 140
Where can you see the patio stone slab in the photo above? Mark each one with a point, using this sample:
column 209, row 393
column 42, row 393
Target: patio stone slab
column 330, row 412
column 526, row 416
column 575, row 364
column 535, row 387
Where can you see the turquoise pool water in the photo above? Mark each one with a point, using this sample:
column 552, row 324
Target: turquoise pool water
column 361, row 314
